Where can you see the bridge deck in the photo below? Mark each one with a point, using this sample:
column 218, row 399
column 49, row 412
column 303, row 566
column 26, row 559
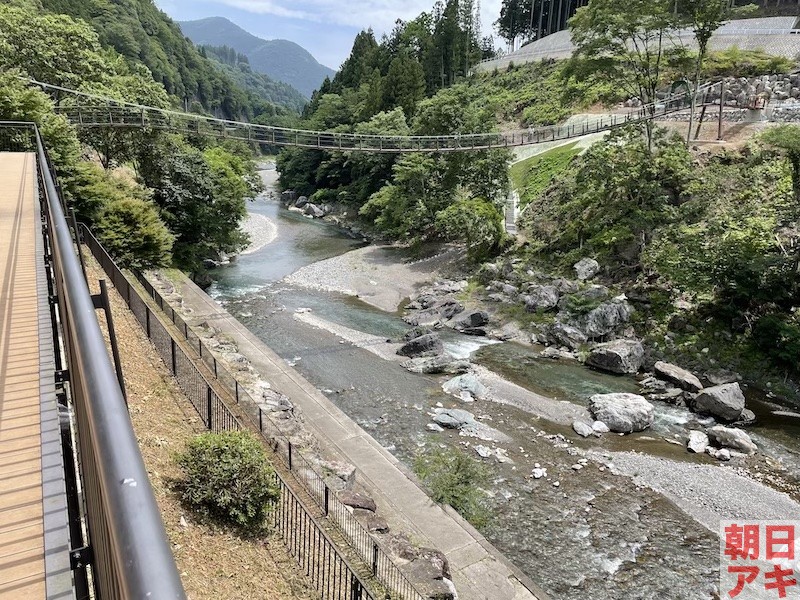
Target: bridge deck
column 30, row 454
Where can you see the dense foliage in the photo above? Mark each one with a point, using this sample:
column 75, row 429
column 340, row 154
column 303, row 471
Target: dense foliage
column 720, row 230
column 185, row 199
column 456, row 479
column 144, row 35
column 228, row 477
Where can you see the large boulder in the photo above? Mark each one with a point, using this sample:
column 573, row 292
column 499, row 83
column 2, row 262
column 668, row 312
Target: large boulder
column 622, row 412
column 561, row 334
column 356, row 500
column 425, row 345
column 467, row 387
column 732, row 438
column 312, row 210
column 477, row 318
column 301, row 202
column 680, row 377
column 432, row 365
column 606, row 318
column 449, row 308
column 416, row 332
column 619, row 356
column 726, row 402
column 541, row 297
column 582, row 429
column 453, row 418
column 698, row 442
column 586, row 268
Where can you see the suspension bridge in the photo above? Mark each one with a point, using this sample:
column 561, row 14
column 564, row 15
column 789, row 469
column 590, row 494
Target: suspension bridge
column 102, row 112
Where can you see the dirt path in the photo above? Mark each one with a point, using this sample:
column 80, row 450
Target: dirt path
column 213, row 563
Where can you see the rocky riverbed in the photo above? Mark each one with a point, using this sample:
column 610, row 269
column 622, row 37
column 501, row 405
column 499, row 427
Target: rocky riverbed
column 608, row 515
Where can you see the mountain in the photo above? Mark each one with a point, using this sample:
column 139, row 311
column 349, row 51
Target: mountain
column 279, row 59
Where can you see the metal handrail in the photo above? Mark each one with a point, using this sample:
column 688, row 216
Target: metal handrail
column 132, row 556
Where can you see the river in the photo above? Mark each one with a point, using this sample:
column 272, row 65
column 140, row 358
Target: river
column 594, row 535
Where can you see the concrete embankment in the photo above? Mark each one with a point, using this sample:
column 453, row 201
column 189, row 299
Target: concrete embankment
column 478, row 569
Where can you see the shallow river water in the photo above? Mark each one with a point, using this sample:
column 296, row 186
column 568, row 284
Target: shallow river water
column 595, row 535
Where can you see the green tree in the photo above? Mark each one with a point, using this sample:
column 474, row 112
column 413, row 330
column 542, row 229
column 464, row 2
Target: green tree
column 476, row 222
column 628, row 42
column 704, row 17
column 787, row 139
column 404, row 85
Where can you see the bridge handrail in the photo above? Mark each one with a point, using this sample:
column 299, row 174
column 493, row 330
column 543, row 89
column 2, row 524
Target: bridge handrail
column 132, row 556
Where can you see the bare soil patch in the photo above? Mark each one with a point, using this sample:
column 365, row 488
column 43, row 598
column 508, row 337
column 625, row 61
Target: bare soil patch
column 213, row 563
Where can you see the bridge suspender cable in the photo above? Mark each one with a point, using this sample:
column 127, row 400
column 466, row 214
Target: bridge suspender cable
column 108, row 112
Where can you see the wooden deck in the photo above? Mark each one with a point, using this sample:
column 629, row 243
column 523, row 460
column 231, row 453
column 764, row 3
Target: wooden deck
column 22, row 562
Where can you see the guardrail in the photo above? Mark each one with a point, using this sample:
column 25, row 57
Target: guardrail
column 127, row 551
column 218, row 416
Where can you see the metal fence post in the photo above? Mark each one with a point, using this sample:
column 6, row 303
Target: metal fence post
column 290, row 455
column 174, row 358
column 327, row 499
column 374, row 559
column 208, row 403
column 260, row 420
column 147, row 318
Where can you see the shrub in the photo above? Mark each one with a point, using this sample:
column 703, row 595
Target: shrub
column 227, row 477
column 132, row 232
column 454, row 478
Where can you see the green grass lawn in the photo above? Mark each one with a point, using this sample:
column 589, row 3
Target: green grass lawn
column 530, row 177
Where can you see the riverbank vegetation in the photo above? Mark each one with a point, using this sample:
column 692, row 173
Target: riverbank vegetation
column 153, row 198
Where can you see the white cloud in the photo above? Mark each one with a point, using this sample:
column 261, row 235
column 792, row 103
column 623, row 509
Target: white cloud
column 378, row 14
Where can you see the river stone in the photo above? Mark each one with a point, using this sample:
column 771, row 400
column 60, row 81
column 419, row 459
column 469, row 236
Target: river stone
column 541, row 297
column 586, row 268
column 465, row 383
column 725, row 401
column 453, row 418
column 600, row 427
column 698, row 442
column 622, row 412
column 582, row 429
column 356, row 500
column 606, row 318
column 722, row 376
column 448, row 308
column 619, row 356
column 680, row 377
column 748, row 417
column 416, row 332
column 560, row 334
column 301, row 202
column 477, row 318
column 732, row 438
column 425, row 345
column 372, row 522
column 313, row 210
column 443, row 363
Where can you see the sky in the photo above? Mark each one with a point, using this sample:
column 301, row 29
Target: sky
column 326, row 28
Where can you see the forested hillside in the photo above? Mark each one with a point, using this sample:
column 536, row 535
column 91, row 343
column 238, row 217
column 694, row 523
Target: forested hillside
column 144, row 35
column 279, row 59
column 152, row 198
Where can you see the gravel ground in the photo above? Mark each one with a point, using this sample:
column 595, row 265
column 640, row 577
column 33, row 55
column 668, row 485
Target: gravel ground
column 213, row 563
column 373, row 273
column 708, row 493
column 260, row 229
column 372, row 343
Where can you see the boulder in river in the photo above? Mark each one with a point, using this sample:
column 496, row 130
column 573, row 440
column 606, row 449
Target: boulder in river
column 312, row 210
column 698, row 442
column 425, row 345
column 432, row 365
column 586, row 268
column 453, row 418
column 680, row 377
column 622, row 412
column 416, row 332
column 541, row 297
column 582, row 429
column 301, row 202
column 561, row 334
column 471, row 320
column 619, row 356
column 466, row 386
column 731, row 437
column 725, row 402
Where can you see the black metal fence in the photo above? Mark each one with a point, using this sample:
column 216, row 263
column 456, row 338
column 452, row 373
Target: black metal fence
column 217, row 416
column 127, row 549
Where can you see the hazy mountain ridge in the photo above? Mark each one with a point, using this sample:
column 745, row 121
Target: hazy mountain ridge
column 280, row 59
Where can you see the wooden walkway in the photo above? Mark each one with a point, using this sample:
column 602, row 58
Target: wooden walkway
column 27, row 454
